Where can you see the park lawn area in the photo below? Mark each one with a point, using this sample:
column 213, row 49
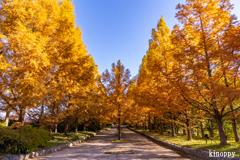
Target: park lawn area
column 60, row 138
column 106, row 128
column 122, row 140
column 197, row 142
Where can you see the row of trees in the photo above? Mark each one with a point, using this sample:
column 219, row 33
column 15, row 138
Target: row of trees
column 192, row 72
column 46, row 73
column 45, row 70
column 188, row 74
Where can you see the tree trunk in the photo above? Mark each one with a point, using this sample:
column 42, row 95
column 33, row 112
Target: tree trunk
column 223, row 138
column 22, row 116
column 161, row 127
column 164, row 127
column 149, row 123
column 189, row 130
column 184, row 132
column 55, row 128
column 41, row 114
column 84, row 126
column 173, row 129
column 67, row 125
column 177, row 128
column 202, row 130
column 155, row 124
column 212, row 129
column 146, row 126
column 7, row 117
column 119, row 122
column 76, row 125
column 56, row 115
column 189, row 134
column 234, row 125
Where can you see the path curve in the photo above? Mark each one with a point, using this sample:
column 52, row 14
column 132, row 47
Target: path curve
column 100, row 147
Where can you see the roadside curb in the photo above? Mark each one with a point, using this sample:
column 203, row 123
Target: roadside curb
column 190, row 151
column 50, row 150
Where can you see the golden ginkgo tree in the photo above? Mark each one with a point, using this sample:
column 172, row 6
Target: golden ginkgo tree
column 114, row 88
column 25, row 28
column 208, row 59
column 44, row 62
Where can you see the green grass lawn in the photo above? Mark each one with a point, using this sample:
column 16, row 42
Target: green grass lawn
column 106, row 128
column 198, row 142
column 122, row 140
column 60, row 138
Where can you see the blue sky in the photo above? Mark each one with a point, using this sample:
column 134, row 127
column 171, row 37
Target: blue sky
column 120, row 29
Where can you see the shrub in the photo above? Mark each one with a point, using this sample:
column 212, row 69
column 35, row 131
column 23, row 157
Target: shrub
column 11, row 121
column 2, row 124
column 33, row 124
column 23, row 140
column 16, row 125
column 8, row 140
column 44, row 137
column 94, row 127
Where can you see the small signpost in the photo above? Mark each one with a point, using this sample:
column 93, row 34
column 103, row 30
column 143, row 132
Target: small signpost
column 168, row 132
column 206, row 137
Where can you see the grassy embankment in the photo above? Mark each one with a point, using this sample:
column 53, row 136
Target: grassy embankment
column 60, row 138
column 197, row 142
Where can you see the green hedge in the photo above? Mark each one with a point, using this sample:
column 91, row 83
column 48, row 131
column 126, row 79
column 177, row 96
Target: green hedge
column 23, row 140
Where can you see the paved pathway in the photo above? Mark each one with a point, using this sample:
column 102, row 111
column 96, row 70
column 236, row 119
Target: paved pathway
column 100, row 147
